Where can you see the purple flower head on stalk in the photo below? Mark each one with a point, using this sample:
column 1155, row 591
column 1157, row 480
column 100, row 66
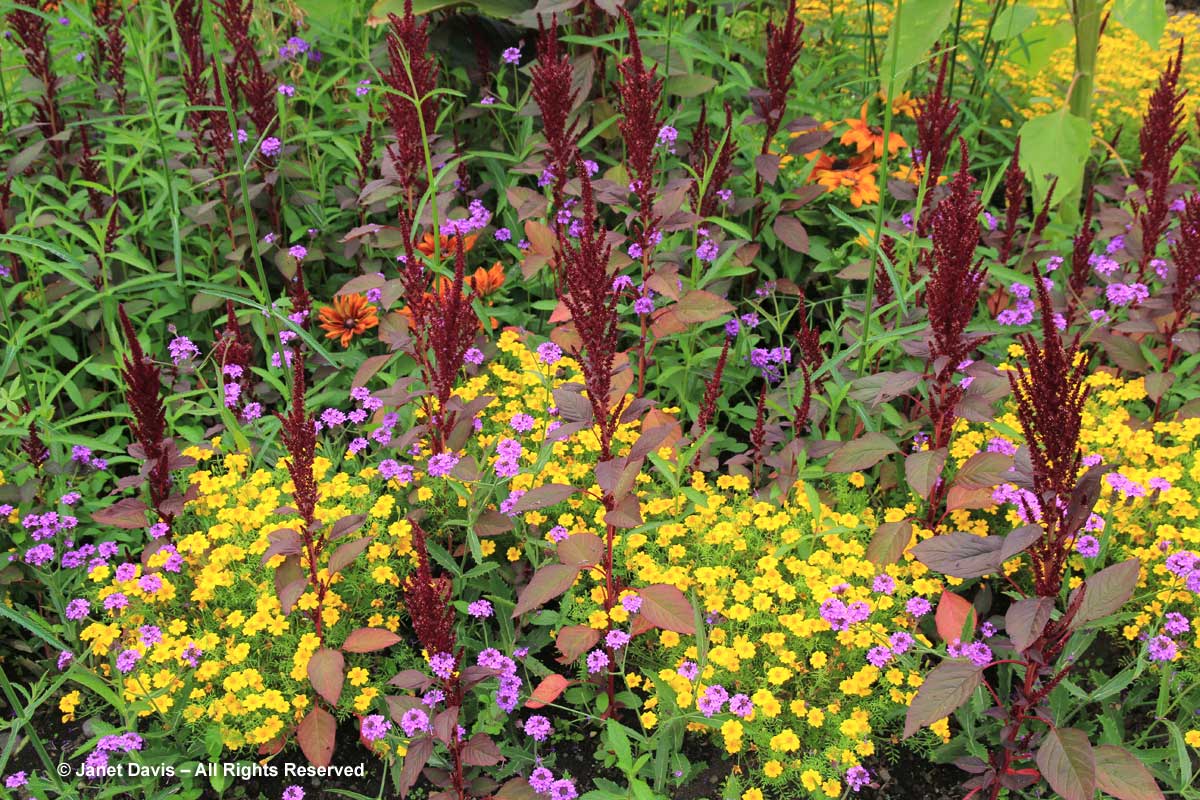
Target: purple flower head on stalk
column 412, row 104
column 414, row 721
column 293, row 793
column 537, row 727
column 632, row 603
column 511, row 55
column 689, row 670
column 563, row 789
column 541, row 779
column 1162, row 648
column 16, row 780
column 615, row 640
column 857, row 777
column 480, row 609
column 78, row 609
column 917, row 606
column 127, row 660
column 1176, row 624
column 271, row 147
column 375, row 727
column 1087, row 546
column 182, row 349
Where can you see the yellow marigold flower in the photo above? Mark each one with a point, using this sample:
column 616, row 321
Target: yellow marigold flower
column 649, row 719
column 786, row 741
column 752, row 794
column 810, row 779
column 357, row 676
column 1192, row 738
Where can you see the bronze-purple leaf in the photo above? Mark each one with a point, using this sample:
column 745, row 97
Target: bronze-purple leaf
column 1123, row 775
column 861, row 453
column 546, row 584
column 946, row 687
column 960, row 554
column 1107, row 591
column 889, row 542
column 1026, row 619
column 542, row 496
column 1068, row 764
column 326, row 673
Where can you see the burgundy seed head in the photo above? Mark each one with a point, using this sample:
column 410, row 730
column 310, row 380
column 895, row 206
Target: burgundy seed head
column 1159, row 140
column 937, row 124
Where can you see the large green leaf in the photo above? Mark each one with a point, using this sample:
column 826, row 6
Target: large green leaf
column 1055, row 145
column 1034, row 47
column 1146, row 18
column 921, row 24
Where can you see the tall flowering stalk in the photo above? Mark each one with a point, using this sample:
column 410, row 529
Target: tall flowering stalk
column 1081, row 252
column 710, row 154
column 808, row 342
column 115, row 51
column 232, row 352
column 1159, row 140
column 443, row 325
column 189, row 17
column 639, row 99
column 551, row 80
column 1049, row 390
column 783, row 51
column 299, row 433
column 143, row 393
column 586, row 289
column 247, row 76
column 412, row 107
column 937, row 126
column 30, row 27
column 1185, row 252
column 1014, row 201
column 951, row 296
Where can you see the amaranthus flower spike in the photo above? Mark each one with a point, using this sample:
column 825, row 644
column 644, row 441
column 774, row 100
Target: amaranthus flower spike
column 552, row 78
column 1159, row 140
column 937, row 125
column 143, row 393
column 412, row 106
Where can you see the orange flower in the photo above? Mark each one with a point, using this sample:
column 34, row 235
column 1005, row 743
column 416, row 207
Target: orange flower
column 869, row 138
column 904, row 105
column 487, row 281
column 349, row 316
column 913, row 174
column 446, row 244
column 860, row 180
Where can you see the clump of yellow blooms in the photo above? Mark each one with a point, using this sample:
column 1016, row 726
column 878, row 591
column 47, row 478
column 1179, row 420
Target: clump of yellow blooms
column 811, row 702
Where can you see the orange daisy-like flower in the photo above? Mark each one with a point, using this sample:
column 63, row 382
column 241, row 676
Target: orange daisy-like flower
column 447, row 244
column 860, row 180
column 487, row 281
column 868, row 138
column 904, row 105
column 349, row 316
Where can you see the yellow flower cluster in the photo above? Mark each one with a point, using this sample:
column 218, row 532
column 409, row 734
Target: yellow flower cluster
column 212, row 638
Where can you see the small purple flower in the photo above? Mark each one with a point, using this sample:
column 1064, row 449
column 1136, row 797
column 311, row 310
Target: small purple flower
column 857, row 777
column 708, row 250
column 1087, row 546
column 884, row 584
column 615, row 640
column 563, row 789
column 740, row 704
column 558, row 533
column 541, row 779
column 181, row 349
column 1162, row 648
column 901, row 641
column 537, row 727
column 644, row 304
column 298, row 252
column 511, row 55
column 689, row 670
column 473, row 356
column 414, row 721
column 375, row 727
column 442, row 665
column 1176, row 624
column 522, row 423
column 78, row 609
column 293, row 793
column 16, row 780
column 917, row 606
column 271, row 147
column 127, row 660
column 287, row 90
column 597, row 660
column 667, row 136
column 441, row 464
column 64, row 659
column 480, row 609
column 878, row 656
column 363, row 88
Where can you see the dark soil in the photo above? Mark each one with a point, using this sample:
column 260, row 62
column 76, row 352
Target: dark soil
column 912, row 777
